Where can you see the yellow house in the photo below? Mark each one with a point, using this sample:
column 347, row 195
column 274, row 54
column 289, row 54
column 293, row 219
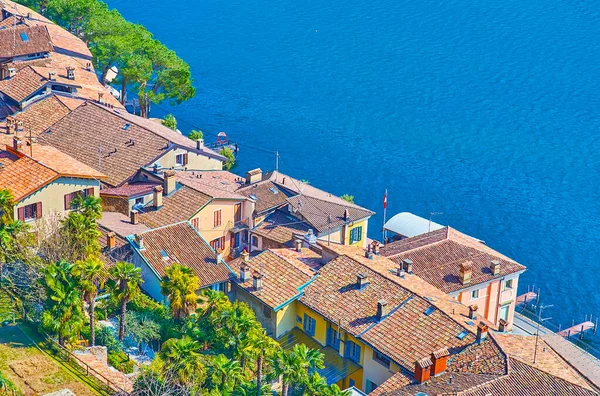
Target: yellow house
column 44, row 181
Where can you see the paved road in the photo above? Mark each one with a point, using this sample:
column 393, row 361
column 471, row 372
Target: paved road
column 586, row 364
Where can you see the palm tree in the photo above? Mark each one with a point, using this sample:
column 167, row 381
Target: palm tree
column 287, row 366
column 63, row 313
column 182, row 357
column 90, row 273
column 233, row 325
column 335, row 390
column 225, row 373
column 315, row 385
column 179, row 285
column 124, row 286
column 259, row 345
column 309, row 358
column 90, row 206
column 211, row 301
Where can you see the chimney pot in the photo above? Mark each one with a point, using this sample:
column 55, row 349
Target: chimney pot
column 422, row 369
column 133, row 216
column 482, row 332
column 473, row 311
column 346, row 215
column 298, row 243
column 169, row 181
column 439, row 359
column 382, row 309
column 200, row 144
column 52, row 76
column 466, row 272
column 88, row 66
column 158, row 197
column 139, row 240
column 71, row 73
column 502, row 326
column 244, row 272
column 11, row 72
column 111, row 240
column 407, row 265
column 362, row 280
column 17, row 144
column 258, row 280
column 495, row 267
column 375, row 247
column 100, row 97
column 245, row 256
column 253, row 176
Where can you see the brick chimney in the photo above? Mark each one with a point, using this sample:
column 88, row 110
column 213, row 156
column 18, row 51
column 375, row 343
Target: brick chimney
column 169, row 182
column 17, row 144
column 369, row 253
column 423, row 369
column 100, row 97
column 298, row 245
column 375, row 247
column 383, row 310
column 502, row 326
column 407, row 265
column 139, row 240
column 133, row 217
column 257, row 280
column 473, row 311
column 70, row 73
column 482, row 332
column 495, row 267
column 439, row 359
column 362, row 280
column 245, row 272
column 157, row 197
column 253, row 176
column 466, row 272
column 52, row 76
column 111, row 240
column 200, row 144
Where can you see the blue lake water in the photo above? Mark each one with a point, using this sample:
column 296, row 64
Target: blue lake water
column 487, row 111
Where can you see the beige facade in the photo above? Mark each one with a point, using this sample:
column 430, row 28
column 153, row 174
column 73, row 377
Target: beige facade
column 195, row 161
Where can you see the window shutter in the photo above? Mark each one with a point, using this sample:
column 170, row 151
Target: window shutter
column 21, row 214
column 185, row 159
column 89, row 192
column 67, row 201
column 38, row 210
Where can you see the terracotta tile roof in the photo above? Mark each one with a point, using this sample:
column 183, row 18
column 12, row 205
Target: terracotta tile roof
column 281, row 228
column 181, row 243
column 23, row 40
column 179, row 206
column 335, row 295
column 484, row 358
column 23, row 84
column 217, row 184
column 120, row 224
column 123, row 151
column 42, row 114
column 12, row 21
column 132, row 189
column 326, row 215
column 266, row 194
column 437, row 257
column 28, row 174
column 281, row 279
column 306, row 261
column 121, row 252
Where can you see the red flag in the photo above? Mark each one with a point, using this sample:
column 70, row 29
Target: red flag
column 385, row 200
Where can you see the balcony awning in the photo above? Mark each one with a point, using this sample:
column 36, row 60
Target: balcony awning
column 336, row 367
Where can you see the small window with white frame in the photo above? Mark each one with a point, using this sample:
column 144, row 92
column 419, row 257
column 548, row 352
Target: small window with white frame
column 508, row 284
column 474, row 294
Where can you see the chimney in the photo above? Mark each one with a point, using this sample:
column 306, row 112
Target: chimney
column 17, row 144
column 400, row 271
column 258, row 280
column 100, row 97
column 362, row 281
column 407, row 265
column 157, row 197
column 11, row 72
column 111, row 240
column 253, row 176
column 52, row 76
column 466, row 272
column 88, row 66
column 200, row 144
column 298, row 244
column 245, row 272
column 482, row 331
column 139, row 240
column 169, row 182
column 382, row 309
column 495, row 267
column 29, row 15
column 502, row 326
column 439, row 359
column 346, row 215
column 219, row 258
column 133, row 216
column 473, row 311
column 70, row 73
column 368, row 253
column 375, row 247
column 245, row 256
column 422, row 369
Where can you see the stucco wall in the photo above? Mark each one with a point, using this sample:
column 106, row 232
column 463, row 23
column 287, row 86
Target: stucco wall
column 195, row 161
column 257, row 306
column 375, row 371
column 286, row 319
column 151, row 283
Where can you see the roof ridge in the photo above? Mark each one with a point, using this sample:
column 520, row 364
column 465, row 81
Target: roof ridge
column 300, row 194
column 418, row 238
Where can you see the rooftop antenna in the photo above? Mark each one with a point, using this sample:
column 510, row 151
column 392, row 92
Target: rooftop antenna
column 277, row 162
column 431, row 214
column 537, row 332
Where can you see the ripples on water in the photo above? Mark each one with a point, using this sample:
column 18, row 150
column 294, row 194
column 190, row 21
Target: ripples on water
column 486, row 111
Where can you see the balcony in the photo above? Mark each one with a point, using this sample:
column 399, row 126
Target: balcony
column 336, row 367
column 239, row 226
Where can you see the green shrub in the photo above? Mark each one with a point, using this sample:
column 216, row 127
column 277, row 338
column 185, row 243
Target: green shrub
column 170, row 122
column 120, row 361
column 196, row 134
column 227, row 153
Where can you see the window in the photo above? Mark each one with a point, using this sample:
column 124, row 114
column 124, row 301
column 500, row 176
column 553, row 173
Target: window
column 139, row 201
column 266, row 311
column 352, row 351
column 474, row 294
column 217, row 218
column 504, row 311
column 355, row 235
column 237, row 212
column 333, row 338
column 508, row 284
column 220, row 287
column 30, row 212
column 254, row 241
column 381, row 359
column 371, row 386
column 309, row 325
column 181, row 159
column 218, row 243
column 298, row 319
column 196, row 223
column 81, row 193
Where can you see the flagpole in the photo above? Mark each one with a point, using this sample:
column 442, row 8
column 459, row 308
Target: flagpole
column 384, row 214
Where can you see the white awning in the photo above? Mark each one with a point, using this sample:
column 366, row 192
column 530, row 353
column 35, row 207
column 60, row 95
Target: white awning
column 409, row 225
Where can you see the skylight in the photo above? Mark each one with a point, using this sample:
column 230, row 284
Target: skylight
column 273, row 190
column 253, row 197
column 24, row 36
column 429, row 311
column 164, row 255
column 126, row 127
column 462, row 334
